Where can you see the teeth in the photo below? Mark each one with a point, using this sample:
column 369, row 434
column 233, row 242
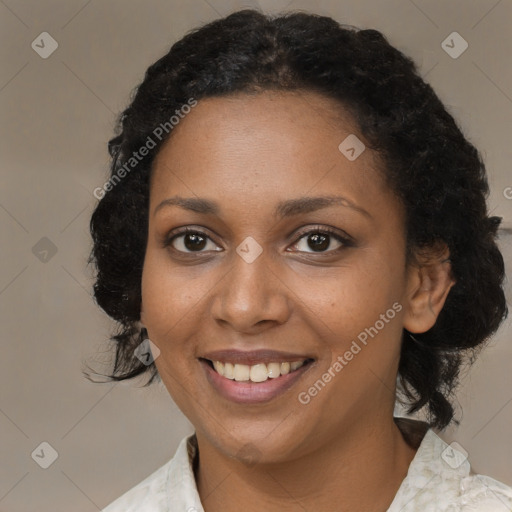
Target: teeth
column 241, row 372
column 228, row 371
column 257, row 372
column 274, row 370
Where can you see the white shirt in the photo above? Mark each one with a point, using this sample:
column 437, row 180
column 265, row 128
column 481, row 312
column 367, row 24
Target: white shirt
column 439, row 479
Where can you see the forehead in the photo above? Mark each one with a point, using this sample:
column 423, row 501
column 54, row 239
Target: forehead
column 268, row 144
column 250, row 119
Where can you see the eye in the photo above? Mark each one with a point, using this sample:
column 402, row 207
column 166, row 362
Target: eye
column 320, row 240
column 190, row 240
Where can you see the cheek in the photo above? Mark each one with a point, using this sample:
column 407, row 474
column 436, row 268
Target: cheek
column 168, row 301
column 170, row 305
column 361, row 312
column 353, row 297
column 376, row 309
column 169, row 291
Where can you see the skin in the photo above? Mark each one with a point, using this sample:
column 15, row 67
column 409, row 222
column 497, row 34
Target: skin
column 341, row 451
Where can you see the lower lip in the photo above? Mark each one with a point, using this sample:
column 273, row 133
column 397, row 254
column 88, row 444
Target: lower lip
column 246, row 392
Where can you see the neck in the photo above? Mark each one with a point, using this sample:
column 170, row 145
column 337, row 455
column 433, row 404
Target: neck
column 361, row 470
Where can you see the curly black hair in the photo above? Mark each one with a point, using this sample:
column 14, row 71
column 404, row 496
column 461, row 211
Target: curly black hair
column 438, row 175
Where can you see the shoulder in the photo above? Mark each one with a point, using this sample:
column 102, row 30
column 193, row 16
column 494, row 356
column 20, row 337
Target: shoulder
column 440, row 480
column 166, row 489
column 480, row 493
column 145, row 496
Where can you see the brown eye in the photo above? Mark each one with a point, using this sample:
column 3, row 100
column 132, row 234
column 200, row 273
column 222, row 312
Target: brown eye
column 194, row 242
column 190, row 241
column 318, row 242
column 321, row 241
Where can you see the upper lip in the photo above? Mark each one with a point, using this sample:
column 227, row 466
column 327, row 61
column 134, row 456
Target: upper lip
column 252, row 357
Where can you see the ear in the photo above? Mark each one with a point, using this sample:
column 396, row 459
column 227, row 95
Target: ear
column 428, row 284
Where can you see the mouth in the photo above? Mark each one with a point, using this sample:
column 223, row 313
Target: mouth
column 253, row 377
column 256, row 373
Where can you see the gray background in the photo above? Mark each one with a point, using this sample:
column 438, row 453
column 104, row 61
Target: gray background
column 56, row 117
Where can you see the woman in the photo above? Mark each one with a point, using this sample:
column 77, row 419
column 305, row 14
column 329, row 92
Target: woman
column 294, row 231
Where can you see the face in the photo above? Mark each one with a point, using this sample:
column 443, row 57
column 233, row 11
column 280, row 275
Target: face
column 293, row 253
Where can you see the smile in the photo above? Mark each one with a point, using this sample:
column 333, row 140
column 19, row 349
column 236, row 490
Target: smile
column 251, row 378
column 259, row 372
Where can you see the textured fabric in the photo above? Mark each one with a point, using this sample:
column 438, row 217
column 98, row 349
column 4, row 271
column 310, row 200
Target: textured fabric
column 439, row 480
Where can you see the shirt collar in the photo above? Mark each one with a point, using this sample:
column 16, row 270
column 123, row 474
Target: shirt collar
column 182, row 489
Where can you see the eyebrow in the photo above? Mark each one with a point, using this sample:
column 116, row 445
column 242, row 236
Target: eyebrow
column 287, row 208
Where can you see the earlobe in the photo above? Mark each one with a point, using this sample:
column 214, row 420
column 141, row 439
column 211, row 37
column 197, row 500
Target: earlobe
column 429, row 282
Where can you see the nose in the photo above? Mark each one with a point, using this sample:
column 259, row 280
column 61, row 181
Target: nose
column 251, row 297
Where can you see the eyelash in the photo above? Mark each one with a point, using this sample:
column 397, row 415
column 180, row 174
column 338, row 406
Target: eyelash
column 345, row 241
